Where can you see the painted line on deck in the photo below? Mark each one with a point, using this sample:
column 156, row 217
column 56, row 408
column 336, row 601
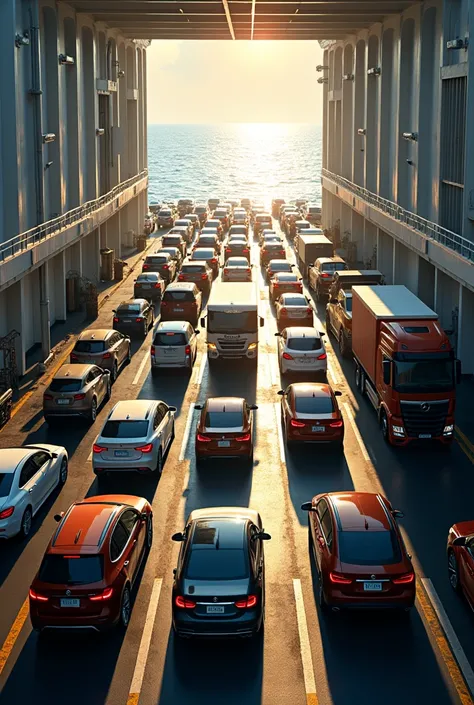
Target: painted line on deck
column 141, row 368
column 305, row 645
column 13, row 634
column 464, row 443
column 144, row 648
column 187, row 431
column 434, row 624
column 332, row 374
column 456, row 648
column 274, row 374
column 281, row 442
column 202, row 368
column 353, row 424
column 196, row 369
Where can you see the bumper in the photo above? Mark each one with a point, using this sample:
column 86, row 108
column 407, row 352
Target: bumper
column 107, row 619
column 182, row 364
column 147, row 463
column 202, row 452
column 246, row 625
column 58, row 412
column 319, row 367
column 9, row 528
column 147, row 294
column 405, row 440
column 234, row 355
column 404, row 601
column 129, row 328
column 334, row 436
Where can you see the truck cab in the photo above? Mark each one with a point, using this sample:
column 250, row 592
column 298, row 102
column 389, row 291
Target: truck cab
column 339, row 320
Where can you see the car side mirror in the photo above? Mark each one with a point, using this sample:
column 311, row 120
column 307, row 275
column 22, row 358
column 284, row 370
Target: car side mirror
column 144, row 516
column 387, row 369
column 460, row 541
column 198, row 407
column 322, row 334
column 252, row 407
column 262, row 321
column 277, row 335
column 114, row 310
column 397, row 514
column 203, row 322
column 300, row 279
column 307, row 507
column 197, row 332
column 178, row 537
column 173, row 409
column 263, row 536
column 337, row 393
column 458, row 371
column 58, row 517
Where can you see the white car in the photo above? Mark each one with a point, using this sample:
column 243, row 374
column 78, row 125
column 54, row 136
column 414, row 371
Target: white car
column 28, row 475
column 301, row 349
column 135, row 437
column 174, row 345
column 237, row 269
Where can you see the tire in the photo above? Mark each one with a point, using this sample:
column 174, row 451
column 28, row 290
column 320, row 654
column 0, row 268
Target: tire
column 328, row 325
column 358, row 377
column 93, row 411
column 149, row 532
column 154, row 371
column 199, row 463
column 249, row 462
column 125, row 608
column 318, row 294
column 384, row 426
column 453, row 572
column 108, row 392
column 128, row 359
column 63, row 471
column 159, row 462
column 323, row 605
column 172, row 437
column 26, row 523
column 343, row 346
column 114, row 372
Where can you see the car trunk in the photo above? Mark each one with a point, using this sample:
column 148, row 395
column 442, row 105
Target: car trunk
column 170, row 348
column 217, row 599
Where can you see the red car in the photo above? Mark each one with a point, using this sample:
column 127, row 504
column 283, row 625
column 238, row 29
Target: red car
column 90, row 566
column 284, row 282
column 461, row 559
column 310, row 413
column 225, row 429
column 359, row 552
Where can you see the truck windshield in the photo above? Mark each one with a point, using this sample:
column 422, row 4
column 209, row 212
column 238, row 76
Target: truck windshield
column 232, row 322
column 424, row 373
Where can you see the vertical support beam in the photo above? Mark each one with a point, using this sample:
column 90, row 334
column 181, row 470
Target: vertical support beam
column 60, row 286
column 45, row 318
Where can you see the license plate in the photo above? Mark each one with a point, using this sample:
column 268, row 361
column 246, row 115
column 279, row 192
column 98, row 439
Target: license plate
column 214, row 609
column 126, row 320
column 169, row 351
column 62, row 401
column 146, row 286
column 424, row 435
column 69, row 602
column 372, row 587
column 306, row 360
column 121, row 453
column 317, row 429
column 223, row 444
column 178, row 309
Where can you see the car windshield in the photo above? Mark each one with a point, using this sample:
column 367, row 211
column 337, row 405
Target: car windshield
column 172, row 240
column 125, row 429
column 67, row 570
column 424, row 372
column 294, row 301
column 223, row 419
column 165, row 213
column 368, row 548
column 166, row 339
column 212, row 564
column 333, row 266
column 147, row 278
column 232, row 322
column 6, row 480
column 304, row 344
column 313, row 405
column 65, row 385
column 89, row 346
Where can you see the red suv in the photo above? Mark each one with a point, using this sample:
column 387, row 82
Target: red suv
column 88, row 571
column 310, row 413
column 360, row 556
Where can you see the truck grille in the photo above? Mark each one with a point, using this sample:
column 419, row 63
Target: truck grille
column 424, row 417
column 231, row 345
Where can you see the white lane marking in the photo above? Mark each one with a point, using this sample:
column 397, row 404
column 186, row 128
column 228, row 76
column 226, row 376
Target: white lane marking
column 187, row 431
column 202, row 368
column 196, row 369
column 352, row 422
column 145, row 642
column 448, row 629
column 89, row 457
column 331, row 373
column 281, row 442
column 305, row 646
column 146, row 359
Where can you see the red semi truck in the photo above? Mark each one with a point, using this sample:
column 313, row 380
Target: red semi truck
column 405, row 364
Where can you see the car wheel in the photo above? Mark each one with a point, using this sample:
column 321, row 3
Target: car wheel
column 159, row 462
column 323, row 605
column 453, row 572
column 343, row 347
column 93, row 411
column 384, row 426
column 328, row 325
column 172, row 435
column 250, row 461
column 154, row 371
column 129, row 355
column 108, row 391
column 63, row 470
column 199, row 462
column 125, row 608
column 318, row 294
column 114, row 373
column 26, row 523
column 145, row 329
column 149, row 532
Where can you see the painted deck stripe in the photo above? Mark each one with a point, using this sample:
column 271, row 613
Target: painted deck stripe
column 13, row 634
column 187, row 431
column 142, row 657
column 305, row 646
column 141, row 368
column 202, row 368
column 464, row 443
column 353, row 424
column 281, row 442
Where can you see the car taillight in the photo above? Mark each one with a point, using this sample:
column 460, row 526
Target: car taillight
column 181, row 277
column 283, row 311
column 297, row 424
column 98, row 449
column 287, row 356
column 184, row 603
column 165, row 266
column 116, row 320
column 281, row 252
column 164, row 304
column 73, row 357
column 323, row 356
column 146, row 448
column 187, row 350
column 104, row 595
column 5, row 513
column 152, row 350
column 227, row 249
column 146, row 266
column 249, row 601
column 203, row 276
column 324, row 275
column 106, row 356
column 138, row 320
column 404, row 579
column 339, row 579
column 213, row 259
column 157, row 286
column 245, row 250
column 79, row 397
column 309, row 310
column 47, row 397
column 203, row 439
column 336, row 424
column 243, row 439
column 37, row 597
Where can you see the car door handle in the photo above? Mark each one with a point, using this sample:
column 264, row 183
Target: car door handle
column 125, row 563
column 32, row 487
column 321, row 541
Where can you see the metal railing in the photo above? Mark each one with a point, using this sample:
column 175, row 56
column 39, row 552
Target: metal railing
column 436, row 232
column 32, row 237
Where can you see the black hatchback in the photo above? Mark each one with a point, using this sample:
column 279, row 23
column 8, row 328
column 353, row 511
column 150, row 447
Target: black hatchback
column 219, row 584
column 135, row 316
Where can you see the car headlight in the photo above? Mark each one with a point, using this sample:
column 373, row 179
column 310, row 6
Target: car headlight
column 211, row 346
column 398, row 430
column 448, row 430
column 252, row 346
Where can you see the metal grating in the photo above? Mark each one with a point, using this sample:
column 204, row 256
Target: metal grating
column 453, row 129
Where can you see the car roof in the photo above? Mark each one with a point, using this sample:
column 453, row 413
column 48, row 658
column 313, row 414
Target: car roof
column 360, row 511
column 132, row 301
column 311, row 389
column 132, row 410
column 204, row 249
column 171, row 327
column 225, row 512
column 180, row 286
column 95, row 334
column 302, row 332
column 224, row 404
column 286, row 276
column 10, row 457
column 325, row 260
column 72, row 369
column 85, row 526
column 150, row 275
column 193, row 263
column 290, row 295
column 218, row 532
column 278, row 261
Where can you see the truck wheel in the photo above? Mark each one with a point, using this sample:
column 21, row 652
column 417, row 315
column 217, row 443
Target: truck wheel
column 384, row 426
column 328, row 324
column 343, row 347
column 357, row 377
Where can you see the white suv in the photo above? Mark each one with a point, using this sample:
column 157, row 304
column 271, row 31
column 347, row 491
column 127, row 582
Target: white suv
column 134, row 438
column 301, row 349
column 174, row 345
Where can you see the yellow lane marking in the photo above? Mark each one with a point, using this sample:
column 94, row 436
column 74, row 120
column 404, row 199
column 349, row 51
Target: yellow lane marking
column 13, row 634
column 464, row 443
column 305, row 645
column 139, row 672
column 133, row 698
column 444, row 648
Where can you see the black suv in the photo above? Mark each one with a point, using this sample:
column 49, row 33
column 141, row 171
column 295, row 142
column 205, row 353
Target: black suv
column 135, row 316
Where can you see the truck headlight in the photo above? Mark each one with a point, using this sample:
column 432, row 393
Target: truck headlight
column 252, row 346
column 398, row 430
column 448, row 430
column 211, row 346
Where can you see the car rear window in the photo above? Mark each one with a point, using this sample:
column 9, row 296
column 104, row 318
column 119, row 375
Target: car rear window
column 89, row 346
column 223, row 419
column 283, row 267
column 65, row 570
column 294, row 301
column 156, row 260
column 192, row 268
column 165, row 213
column 212, row 564
column 125, row 429
column 172, row 240
column 314, row 405
column 6, row 480
column 286, row 277
column 65, row 385
column 147, row 278
column 263, row 219
column 165, row 339
column 126, row 309
column 237, row 262
column 178, row 296
column 333, row 266
column 304, row 344
column 368, row 548
column 200, row 209
column 204, row 254
column 314, row 209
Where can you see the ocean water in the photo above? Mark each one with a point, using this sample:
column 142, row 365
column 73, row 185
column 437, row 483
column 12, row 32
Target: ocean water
column 255, row 160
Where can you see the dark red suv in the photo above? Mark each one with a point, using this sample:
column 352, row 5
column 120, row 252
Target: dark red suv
column 360, row 556
column 88, row 571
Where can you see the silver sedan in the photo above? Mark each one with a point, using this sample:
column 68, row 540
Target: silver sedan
column 237, row 269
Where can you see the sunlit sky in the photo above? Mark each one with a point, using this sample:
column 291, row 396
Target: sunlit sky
column 226, row 81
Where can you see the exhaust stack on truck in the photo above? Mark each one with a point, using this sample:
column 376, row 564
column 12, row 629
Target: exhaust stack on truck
column 405, row 364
